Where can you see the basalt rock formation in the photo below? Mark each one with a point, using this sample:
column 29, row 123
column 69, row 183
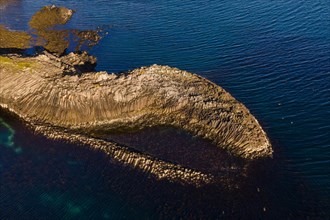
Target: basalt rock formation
column 61, row 100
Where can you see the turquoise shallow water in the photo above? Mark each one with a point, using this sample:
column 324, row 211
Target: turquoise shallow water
column 274, row 56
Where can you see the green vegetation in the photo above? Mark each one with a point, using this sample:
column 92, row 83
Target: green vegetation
column 18, row 65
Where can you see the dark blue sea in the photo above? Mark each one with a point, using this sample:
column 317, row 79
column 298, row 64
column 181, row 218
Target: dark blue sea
column 272, row 55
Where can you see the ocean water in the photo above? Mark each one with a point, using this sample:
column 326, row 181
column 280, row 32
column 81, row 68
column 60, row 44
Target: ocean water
column 274, row 56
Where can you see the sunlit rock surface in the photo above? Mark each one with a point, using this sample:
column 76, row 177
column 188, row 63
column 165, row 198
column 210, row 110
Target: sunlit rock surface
column 38, row 89
column 60, row 97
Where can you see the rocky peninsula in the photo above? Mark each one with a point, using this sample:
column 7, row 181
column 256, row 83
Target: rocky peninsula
column 62, row 97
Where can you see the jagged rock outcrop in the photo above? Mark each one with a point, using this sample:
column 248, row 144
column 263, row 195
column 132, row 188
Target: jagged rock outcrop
column 78, row 107
column 38, row 90
column 60, row 97
column 158, row 168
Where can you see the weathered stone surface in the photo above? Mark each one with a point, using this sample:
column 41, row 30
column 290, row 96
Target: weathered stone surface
column 77, row 63
column 59, row 99
column 37, row 90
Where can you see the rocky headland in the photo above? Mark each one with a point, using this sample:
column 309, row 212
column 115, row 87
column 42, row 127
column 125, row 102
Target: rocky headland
column 62, row 97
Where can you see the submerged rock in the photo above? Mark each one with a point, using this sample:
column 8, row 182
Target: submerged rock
column 49, row 16
column 44, row 23
column 13, row 39
column 44, row 28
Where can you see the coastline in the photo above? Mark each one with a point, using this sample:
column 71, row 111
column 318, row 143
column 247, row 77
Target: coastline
column 51, row 95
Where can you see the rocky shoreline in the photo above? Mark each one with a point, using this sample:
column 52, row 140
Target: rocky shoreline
column 60, row 96
column 56, row 93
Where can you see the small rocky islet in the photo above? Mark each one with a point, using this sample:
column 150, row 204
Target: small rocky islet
column 61, row 96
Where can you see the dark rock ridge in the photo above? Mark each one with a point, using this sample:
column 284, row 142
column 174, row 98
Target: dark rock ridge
column 61, row 100
column 158, row 168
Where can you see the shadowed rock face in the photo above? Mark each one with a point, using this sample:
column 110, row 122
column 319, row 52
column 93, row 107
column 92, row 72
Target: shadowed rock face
column 48, row 92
